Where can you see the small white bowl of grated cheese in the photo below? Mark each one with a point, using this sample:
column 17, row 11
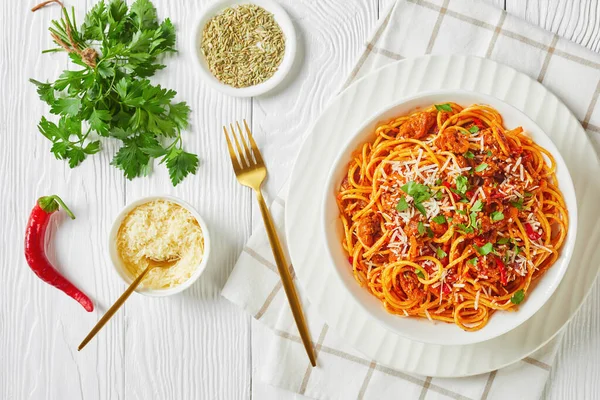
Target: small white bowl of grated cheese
column 159, row 228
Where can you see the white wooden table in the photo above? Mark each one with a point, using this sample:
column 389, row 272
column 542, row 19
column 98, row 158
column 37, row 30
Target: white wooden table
column 195, row 345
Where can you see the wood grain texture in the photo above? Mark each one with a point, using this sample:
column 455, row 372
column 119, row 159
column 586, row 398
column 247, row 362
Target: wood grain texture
column 194, row 345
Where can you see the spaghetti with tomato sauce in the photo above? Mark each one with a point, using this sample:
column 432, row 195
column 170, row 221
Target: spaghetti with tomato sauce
column 449, row 216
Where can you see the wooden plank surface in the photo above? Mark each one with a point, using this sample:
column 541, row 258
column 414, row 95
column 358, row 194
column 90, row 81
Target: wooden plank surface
column 195, row 345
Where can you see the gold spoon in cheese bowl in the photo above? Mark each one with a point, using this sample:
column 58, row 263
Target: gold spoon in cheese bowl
column 152, row 263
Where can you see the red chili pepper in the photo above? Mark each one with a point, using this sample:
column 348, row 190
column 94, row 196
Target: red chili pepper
column 469, row 194
column 35, row 254
column 533, row 235
column 351, row 260
column 478, row 123
column 454, row 195
column 502, row 270
column 446, row 288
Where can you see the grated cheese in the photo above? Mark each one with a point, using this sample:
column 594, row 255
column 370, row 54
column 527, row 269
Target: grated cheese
column 160, row 230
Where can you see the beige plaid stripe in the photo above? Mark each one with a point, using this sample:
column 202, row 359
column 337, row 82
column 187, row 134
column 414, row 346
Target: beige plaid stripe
column 319, row 347
column 588, row 115
column 309, row 368
column 488, row 385
column 497, row 31
column 507, row 33
column 365, row 384
column 436, row 27
column 549, row 53
column 366, row 53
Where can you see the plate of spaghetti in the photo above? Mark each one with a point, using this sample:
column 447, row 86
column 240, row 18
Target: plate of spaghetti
column 450, row 217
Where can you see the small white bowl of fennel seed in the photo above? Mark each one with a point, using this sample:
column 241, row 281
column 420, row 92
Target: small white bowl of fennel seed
column 244, row 49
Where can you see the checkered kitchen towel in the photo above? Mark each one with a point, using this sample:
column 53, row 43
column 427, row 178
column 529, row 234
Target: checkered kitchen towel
column 413, row 28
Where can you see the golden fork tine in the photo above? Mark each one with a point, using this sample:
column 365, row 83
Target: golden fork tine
column 243, row 162
column 255, row 150
column 234, row 161
column 247, row 150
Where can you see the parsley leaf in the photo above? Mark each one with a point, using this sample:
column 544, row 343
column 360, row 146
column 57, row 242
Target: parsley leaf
column 438, row 182
column 469, row 154
column 439, row 219
column 481, row 167
column 443, row 107
column 485, row 249
column 517, row 204
column 461, row 212
column 419, row 193
column 497, row 216
column 440, row 253
column 180, row 164
column 402, row 204
column 503, row 240
column 421, row 228
column 421, row 209
column 477, row 206
column 489, row 153
column 518, row 297
column 517, row 250
column 419, row 273
column 110, row 95
column 462, row 184
column 429, row 233
column 474, row 129
column 464, row 228
column 473, row 261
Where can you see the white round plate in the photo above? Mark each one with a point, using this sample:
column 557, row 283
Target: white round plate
column 420, row 329
column 304, row 223
column 284, row 21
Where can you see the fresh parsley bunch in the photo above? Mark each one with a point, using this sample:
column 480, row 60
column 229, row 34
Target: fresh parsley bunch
column 111, row 96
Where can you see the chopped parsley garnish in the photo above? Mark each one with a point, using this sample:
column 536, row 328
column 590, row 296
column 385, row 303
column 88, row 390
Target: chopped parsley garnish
column 517, row 250
column 497, row 216
column 473, row 261
column 402, row 204
column 489, row 153
column 477, row 206
column 481, row 167
column 438, row 182
column 441, row 253
column 438, row 195
column 461, row 212
column 517, row 204
column 421, row 228
column 429, row 233
column 518, row 297
column 464, row 201
column 485, row 249
column 469, row 154
column 473, row 220
column 462, row 184
column 474, row 129
column 527, row 194
column 503, row 240
column 449, row 219
column 419, row 193
column 439, row 219
column 421, row 209
column 443, row 107
column 419, row 273
column 464, row 229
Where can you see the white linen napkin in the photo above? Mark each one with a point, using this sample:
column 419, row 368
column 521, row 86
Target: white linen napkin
column 413, row 28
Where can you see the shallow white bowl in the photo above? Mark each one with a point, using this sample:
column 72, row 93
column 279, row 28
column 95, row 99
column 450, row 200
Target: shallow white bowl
column 284, row 21
column 118, row 263
column 419, row 329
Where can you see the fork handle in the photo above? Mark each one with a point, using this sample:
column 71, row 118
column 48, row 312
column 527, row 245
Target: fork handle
column 286, row 277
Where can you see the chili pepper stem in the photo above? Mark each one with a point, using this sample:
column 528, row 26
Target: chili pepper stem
column 52, row 203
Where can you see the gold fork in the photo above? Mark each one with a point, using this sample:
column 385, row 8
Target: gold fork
column 250, row 171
